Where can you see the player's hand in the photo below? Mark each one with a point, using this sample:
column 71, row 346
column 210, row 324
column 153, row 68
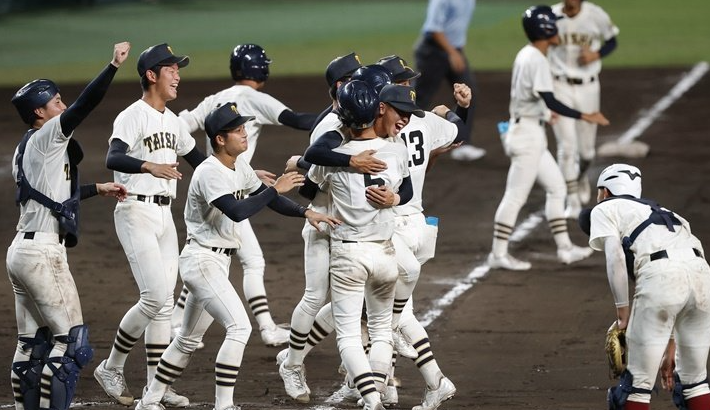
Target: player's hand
column 112, row 189
column 622, row 316
column 315, row 218
column 440, row 110
column 164, row 171
column 366, row 163
column 288, row 181
column 457, row 62
column 667, row 367
column 268, row 178
column 292, row 163
column 462, row 95
column 554, row 117
column 595, row 118
column 382, row 196
column 587, row 56
column 120, row 53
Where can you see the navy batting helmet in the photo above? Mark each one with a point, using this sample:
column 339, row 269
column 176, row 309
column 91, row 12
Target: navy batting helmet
column 249, row 61
column 358, row 104
column 33, row 95
column 375, row 75
column 539, row 23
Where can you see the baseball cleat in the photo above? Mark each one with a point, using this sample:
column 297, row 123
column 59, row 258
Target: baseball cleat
column 282, row 356
column 390, row 398
column 434, row 397
column 149, row 406
column 232, row 407
column 402, row 345
column 584, row 189
column 348, row 393
column 573, row 254
column 507, row 262
column 295, row 383
column 468, row 153
column 171, row 398
column 113, row 383
column 275, row 335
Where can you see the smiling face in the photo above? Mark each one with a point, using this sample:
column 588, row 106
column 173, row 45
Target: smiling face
column 166, row 83
column 54, row 107
column 392, row 119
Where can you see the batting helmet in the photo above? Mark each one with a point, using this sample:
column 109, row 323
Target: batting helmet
column 249, row 61
column 375, row 75
column 539, row 23
column 621, row 179
column 33, row 95
column 358, row 104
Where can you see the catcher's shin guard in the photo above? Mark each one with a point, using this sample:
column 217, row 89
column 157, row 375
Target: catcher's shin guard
column 678, row 398
column 616, row 396
column 66, row 368
column 30, row 372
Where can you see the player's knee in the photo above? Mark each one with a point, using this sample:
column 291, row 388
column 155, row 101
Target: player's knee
column 682, row 393
column 239, row 332
column 253, row 265
column 313, row 301
column 28, row 373
column 153, row 302
column 409, row 273
column 618, row 395
column 65, row 369
column 187, row 344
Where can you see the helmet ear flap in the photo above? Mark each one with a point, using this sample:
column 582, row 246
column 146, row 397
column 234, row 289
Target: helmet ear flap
column 33, row 95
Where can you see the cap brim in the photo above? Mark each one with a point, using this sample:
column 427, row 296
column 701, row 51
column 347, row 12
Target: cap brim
column 407, row 75
column 408, row 107
column 181, row 61
column 236, row 122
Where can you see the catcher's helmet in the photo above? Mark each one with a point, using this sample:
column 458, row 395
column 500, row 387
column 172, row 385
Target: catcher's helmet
column 33, row 95
column 358, row 104
column 539, row 23
column 375, row 75
column 621, row 179
column 249, row 61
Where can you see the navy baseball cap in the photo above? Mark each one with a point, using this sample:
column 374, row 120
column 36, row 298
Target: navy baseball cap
column 342, row 67
column 224, row 118
column 401, row 97
column 160, row 54
column 399, row 68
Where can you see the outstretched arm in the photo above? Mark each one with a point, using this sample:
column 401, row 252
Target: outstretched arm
column 298, row 120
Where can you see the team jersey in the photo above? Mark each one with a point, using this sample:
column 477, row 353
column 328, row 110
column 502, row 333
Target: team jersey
column 205, row 223
column 591, row 27
column 619, row 217
column 151, row 136
column 423, row 135
column 331, row 122
column 362, row 221
column 249, row 101
column 531, row 76
column 46, row 167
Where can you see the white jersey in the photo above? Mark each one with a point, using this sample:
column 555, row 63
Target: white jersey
column 361, row 220
column 250, row 102
column 619, row 217
column 46, row 167
column 331, row 122
column 151, row 136
column 591, row 27
column 531, row 76
column 423, row 135
column 205, row 223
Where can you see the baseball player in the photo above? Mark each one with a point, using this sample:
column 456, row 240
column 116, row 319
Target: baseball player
column 216, row 201
column 531, row 98
column 53, row 341
column 249, row 66
column 656, row 248
column 147, row 138
column 587, row 35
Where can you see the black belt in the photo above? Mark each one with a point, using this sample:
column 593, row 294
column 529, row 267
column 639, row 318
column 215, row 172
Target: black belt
column 31, row 235
column 156, row 199
column 540, row 121
column 575, row 81
column 663, row 254
column 226, row 251
column 346, row 241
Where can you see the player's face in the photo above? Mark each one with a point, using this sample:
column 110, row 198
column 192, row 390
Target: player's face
column 555, row 41
column 236, row 141
column 168, row 81
column 394, row 120
column 54, row 107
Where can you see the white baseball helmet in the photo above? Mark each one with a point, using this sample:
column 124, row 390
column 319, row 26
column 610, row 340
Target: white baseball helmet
column 621, row 179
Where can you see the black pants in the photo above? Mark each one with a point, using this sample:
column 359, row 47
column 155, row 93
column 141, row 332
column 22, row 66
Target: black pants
column 433, row 63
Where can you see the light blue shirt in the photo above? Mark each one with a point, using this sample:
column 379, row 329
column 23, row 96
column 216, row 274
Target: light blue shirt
column 451, row 17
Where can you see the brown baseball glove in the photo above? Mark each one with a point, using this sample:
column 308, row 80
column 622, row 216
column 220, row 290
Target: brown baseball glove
column 615, row 347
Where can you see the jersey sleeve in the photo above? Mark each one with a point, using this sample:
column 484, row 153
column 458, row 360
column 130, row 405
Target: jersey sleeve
column 127, row 128
column 607, row 27
column 443, row 131
column 247, row 174
column 435, row 16
column 195, row 118
column 211, row 183
column 266, row 108
column 602, row 226
column 185, row 141
column 318, row 174
column 541, row 75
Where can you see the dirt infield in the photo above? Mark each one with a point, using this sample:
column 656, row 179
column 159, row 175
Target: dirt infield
column 531, row 340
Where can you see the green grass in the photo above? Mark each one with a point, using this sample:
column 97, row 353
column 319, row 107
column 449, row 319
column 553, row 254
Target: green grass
column 302, row 36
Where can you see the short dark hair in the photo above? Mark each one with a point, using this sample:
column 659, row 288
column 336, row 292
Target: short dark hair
column 144, row 79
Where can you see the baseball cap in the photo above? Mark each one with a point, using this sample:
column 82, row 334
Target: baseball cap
column 399, row 68
column 341, row 67
column 160, row 54
column 401, row 97
column 224, row 118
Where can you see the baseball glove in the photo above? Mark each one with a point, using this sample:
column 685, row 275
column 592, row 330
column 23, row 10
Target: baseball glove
column 615, row 347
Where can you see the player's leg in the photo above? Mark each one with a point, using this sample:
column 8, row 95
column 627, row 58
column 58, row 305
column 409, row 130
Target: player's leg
column 551, row 179
column 178, row 311
column 433, row 64
column 253, row 265
column 404, row 240
column 524, row 143
column 588, row 100
column 566, row 137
